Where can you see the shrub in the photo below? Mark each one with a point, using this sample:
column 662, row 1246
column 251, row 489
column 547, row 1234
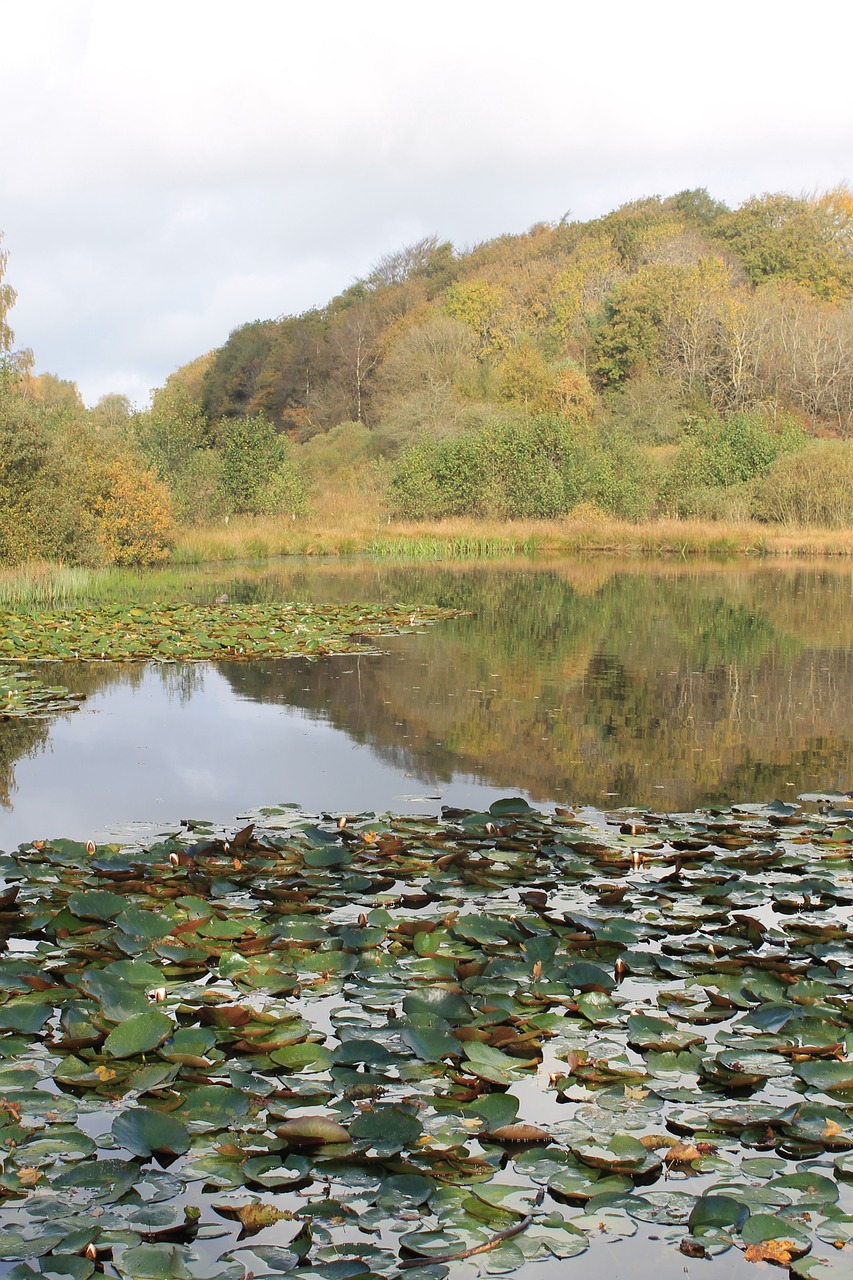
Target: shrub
column 258, row 473
column 815, row 487
column 506, row 470
column 724, row 455
column 133, row 515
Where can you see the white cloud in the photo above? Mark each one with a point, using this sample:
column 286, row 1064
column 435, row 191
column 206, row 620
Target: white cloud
column 172, row 169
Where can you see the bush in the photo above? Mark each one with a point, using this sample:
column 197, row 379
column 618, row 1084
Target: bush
column 724, row 455
column 507, row 470
column 133, row 514
column 258, row 473
column 815, row 487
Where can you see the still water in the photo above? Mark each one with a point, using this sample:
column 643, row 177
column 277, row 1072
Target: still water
column 580, row 682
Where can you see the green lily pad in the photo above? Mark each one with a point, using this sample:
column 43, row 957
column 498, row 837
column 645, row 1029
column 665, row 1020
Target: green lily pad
column 146, row 1132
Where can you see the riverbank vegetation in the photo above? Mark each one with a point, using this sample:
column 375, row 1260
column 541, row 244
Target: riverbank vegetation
column 672, row 361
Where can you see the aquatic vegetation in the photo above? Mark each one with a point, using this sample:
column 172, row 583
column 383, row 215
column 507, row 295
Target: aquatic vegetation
column 194, row 633
column 358, row 1044
column 24, row 696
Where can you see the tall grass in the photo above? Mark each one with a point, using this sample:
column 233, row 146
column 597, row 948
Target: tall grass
column 44, row 585
column 355, row 531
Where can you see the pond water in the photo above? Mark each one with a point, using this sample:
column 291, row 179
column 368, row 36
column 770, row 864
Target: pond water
column 595, row 685
column 596, row 682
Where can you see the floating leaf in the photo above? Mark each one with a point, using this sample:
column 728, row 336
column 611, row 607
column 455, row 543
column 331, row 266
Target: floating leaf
column 146, row 1132
column 139, row 1034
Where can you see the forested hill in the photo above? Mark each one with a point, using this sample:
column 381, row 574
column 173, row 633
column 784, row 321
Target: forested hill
column 674, row 358
column 683, row 300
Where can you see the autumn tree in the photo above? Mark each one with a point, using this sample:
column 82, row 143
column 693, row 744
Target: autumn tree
column 805, row 240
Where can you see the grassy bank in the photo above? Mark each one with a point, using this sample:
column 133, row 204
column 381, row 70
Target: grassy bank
column 358, row 533
column 208, row 551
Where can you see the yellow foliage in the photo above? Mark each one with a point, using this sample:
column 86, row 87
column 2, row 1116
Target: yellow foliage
column 478, row 304
column 134, row 515
column 572, row 393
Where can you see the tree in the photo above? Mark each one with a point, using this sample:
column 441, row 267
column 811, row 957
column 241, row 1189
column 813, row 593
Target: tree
column 257, row 471
column 230, row 382
column 7, row 302
column 808, row 241
column 14, row 365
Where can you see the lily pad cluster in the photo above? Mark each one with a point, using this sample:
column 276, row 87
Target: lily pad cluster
column 195, row 633
column 355, row 1046
column 23, row 696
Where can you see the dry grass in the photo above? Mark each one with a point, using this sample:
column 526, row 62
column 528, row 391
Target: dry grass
column 347, row 528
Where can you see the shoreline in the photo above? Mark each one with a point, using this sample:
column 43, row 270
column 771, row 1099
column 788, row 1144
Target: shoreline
column 454, row 539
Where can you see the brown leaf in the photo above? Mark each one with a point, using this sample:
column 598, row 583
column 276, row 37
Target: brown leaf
column 29, row 1177
column 682, row 1153
column 520, row 1133
column 778, row 1251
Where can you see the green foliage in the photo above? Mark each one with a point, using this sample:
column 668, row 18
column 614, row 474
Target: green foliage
column 258, row 473
column 811, row 487
column 508, row 470
column 725, row 454
column 630, row 338
column 800, row 239
column 230, row 381
column 72, row 492
column 175, row 438
column 618, row 479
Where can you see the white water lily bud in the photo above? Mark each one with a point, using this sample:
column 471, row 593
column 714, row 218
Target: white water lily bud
column 636, row 859
column 159, row 993
column 91, row 848
column 90, row 1252
column 173, row 858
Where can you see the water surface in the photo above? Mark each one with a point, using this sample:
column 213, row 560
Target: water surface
column 597, row 683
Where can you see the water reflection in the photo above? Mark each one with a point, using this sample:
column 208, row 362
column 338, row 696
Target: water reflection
column 668, row 686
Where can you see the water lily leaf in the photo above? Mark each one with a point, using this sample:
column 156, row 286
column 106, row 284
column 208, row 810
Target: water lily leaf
column 146, row 1132
column 307, row 1056
column 28, row 1016
column 96, row 904
column 101, row 1181
column 171, row 1262
column 761, row 1227
column 14, row 1244
column 312, row 1131
column 59, row 1267
column 814, row 1268
column 437, row 1003
column 214, row 1104
column 386, row 1128
column 139, row 1034
column 829, row 1077
column 496, row 1109
column 404, row 1191
column 717, row 1211
column 272, row 1171
column 490, row 1064
column 431, row 1044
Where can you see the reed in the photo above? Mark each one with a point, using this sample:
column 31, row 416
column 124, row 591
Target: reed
column 343, row 531
column 43, row 585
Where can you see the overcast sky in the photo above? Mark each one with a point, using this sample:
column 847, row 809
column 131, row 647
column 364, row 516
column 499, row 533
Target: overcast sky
column 173, row 169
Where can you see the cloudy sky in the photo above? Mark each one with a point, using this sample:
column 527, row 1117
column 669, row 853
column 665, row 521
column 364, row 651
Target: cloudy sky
column 173, row 169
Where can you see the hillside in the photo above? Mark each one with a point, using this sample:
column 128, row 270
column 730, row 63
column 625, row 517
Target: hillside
column 674, row 358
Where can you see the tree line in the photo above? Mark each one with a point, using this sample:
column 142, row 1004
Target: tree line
column 672, row 357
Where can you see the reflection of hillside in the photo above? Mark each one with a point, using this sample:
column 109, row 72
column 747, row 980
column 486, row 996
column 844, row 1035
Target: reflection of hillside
column 663, row 688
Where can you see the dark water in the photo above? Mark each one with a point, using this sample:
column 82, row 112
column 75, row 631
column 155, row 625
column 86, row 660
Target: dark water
column 597, row 683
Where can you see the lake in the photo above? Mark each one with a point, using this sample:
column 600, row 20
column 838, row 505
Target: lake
column 681, row 974
column 580, row 682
